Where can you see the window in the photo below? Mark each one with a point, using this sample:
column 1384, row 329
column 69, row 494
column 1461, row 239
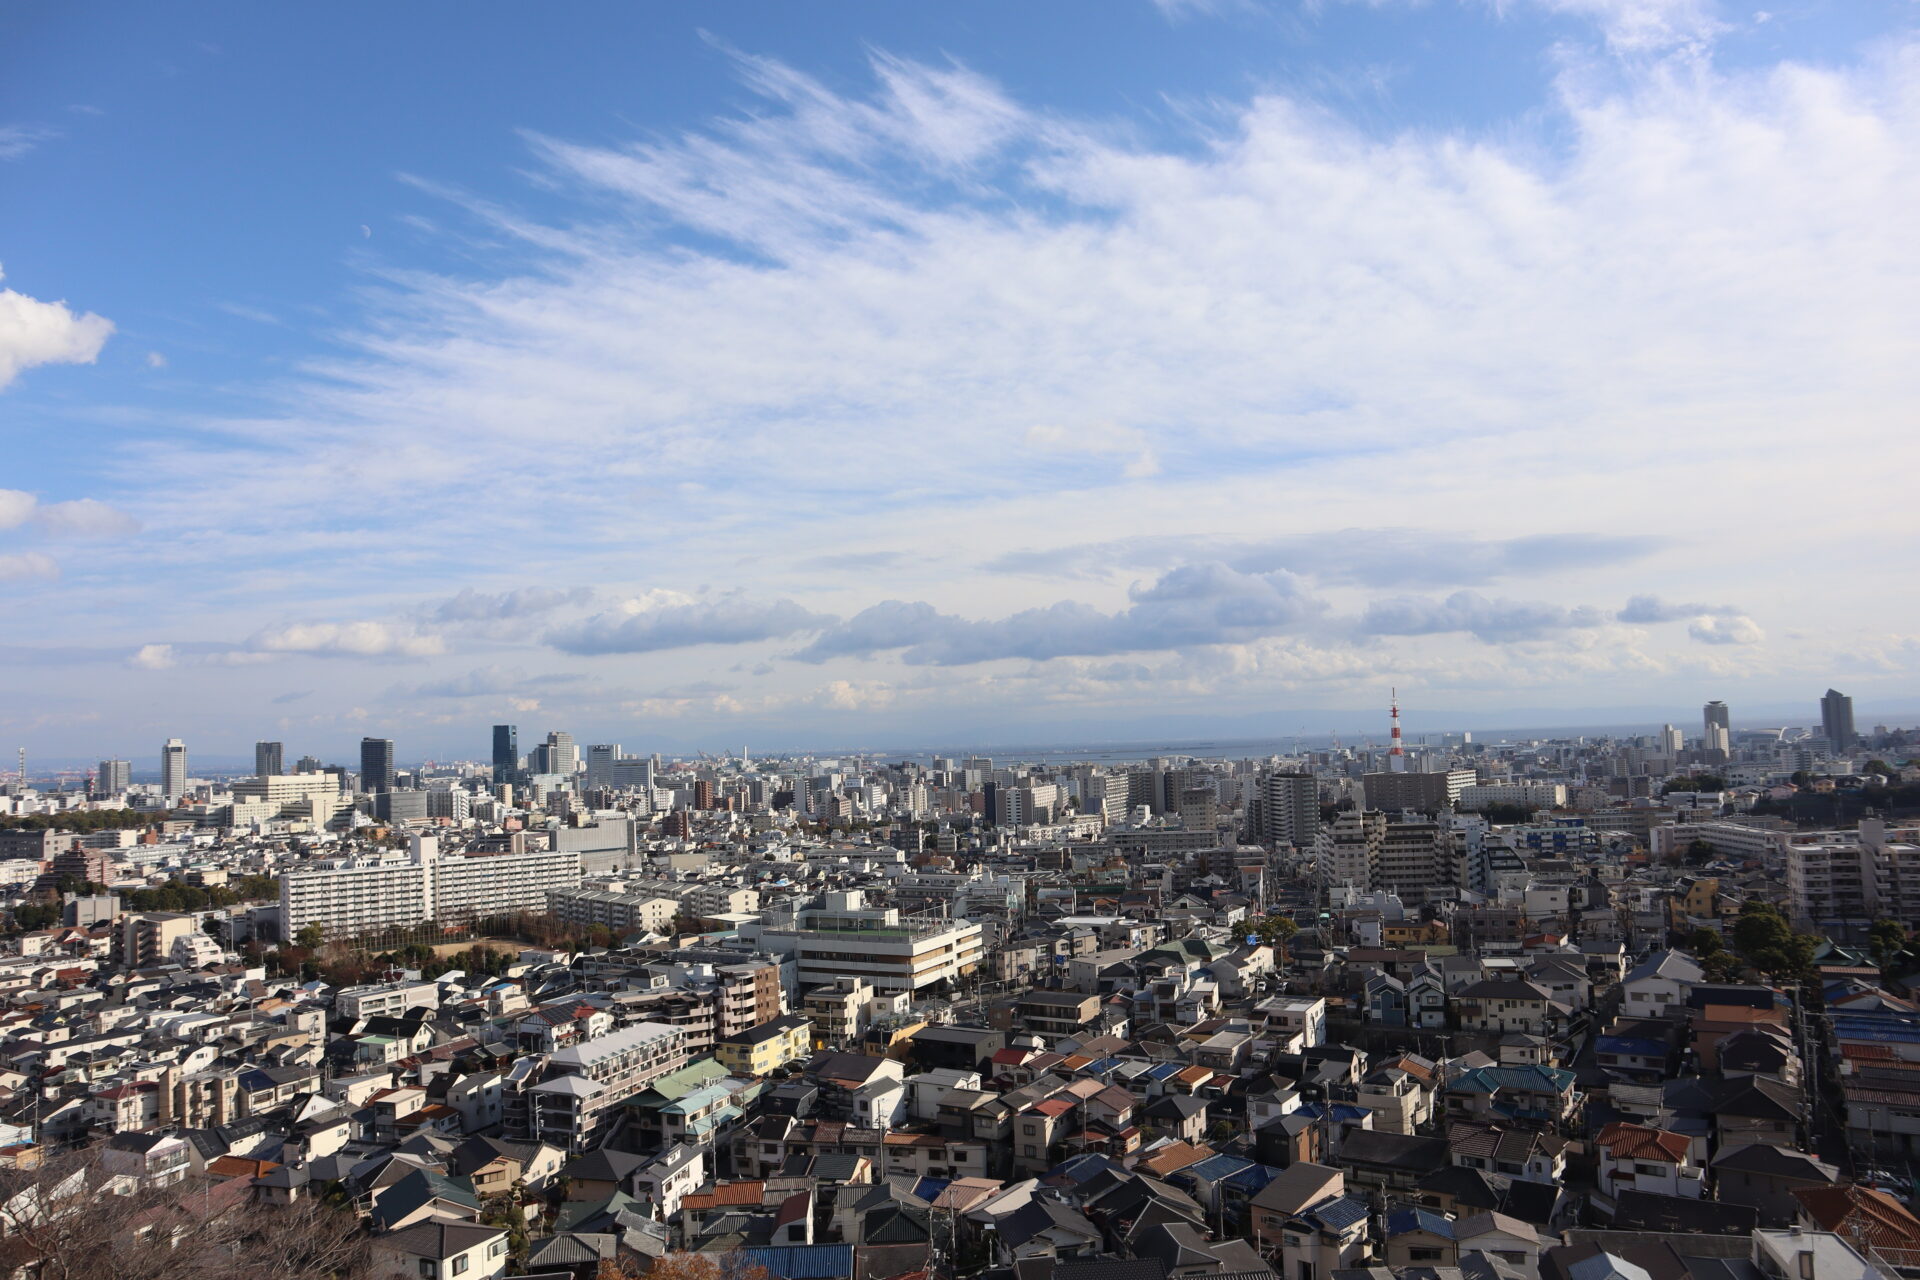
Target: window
column 497, row 1248
column 460, row 1264
column 429, row 1268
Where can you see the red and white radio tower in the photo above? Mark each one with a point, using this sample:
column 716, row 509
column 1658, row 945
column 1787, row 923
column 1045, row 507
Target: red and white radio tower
column 1396, row 756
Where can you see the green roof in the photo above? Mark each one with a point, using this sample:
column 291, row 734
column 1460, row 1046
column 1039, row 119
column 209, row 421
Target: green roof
column 675, row 1085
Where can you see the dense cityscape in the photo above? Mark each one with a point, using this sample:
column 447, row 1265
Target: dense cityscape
column 1501, row 1009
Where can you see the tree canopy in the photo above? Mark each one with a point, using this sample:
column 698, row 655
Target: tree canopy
column 1765, row 940
column 82, row 820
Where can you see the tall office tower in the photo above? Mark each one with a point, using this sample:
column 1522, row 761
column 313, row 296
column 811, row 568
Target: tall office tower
column 601, row 758
column 1672, row 741
column 307, row 764
column 563, row 757
column 114, row 777
column 376, row 765
column 173, row 769
column 268, row 757
column 1836, row 717
column 1718, row 736
column 506, row 752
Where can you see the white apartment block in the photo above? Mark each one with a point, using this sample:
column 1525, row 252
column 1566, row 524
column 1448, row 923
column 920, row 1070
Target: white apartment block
column 354, row 896
column 1737, row 840
column 586, row 1083
column 348, row 897
column 1854, row 877
column 620, row 912
column 1348, row 852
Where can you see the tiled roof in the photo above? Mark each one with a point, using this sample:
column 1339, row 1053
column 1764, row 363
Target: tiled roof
column 1627, row 1141
column 1864, row 1214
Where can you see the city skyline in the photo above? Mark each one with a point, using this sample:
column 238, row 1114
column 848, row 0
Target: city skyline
column 1355, row 730
column 875, row 379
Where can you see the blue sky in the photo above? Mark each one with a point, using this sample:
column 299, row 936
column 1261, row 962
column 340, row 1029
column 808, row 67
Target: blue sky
column 914, row 373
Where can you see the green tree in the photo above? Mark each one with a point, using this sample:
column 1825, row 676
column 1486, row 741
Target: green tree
column 1766, row 941
column 310, row 937
column 1886, row 939
column 1274, row 930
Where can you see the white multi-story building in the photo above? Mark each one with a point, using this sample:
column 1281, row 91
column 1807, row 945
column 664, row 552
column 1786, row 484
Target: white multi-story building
column 1348, row 852
column 473, row 887
column 348, row 897
column 1528, row 795
column 585, row 1083
column 620, row 912
column 386, row 1000
column 893, row 952
column 354, row 896
column 1838, row 878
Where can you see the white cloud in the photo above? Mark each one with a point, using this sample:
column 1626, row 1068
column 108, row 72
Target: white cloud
column 1737, row 629
column 23, row 565
column 85, row 518
column 1099, row 438
column 1639, row 26
column 153, row 657
column 17, row 140
column 155, row 360
column 35, row 333
column 16, row 508
column 366, row 639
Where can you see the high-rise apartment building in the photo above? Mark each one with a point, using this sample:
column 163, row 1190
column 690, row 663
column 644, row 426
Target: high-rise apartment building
column 113, row 777
column 173, row 769
column 1672, row 741
column 506, row 752
column 1836, row 718
column 376, row 765
column 268, row 759
column 1416, row 861
column 562, row 754
column 1348, row 852
column 1285, row 809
